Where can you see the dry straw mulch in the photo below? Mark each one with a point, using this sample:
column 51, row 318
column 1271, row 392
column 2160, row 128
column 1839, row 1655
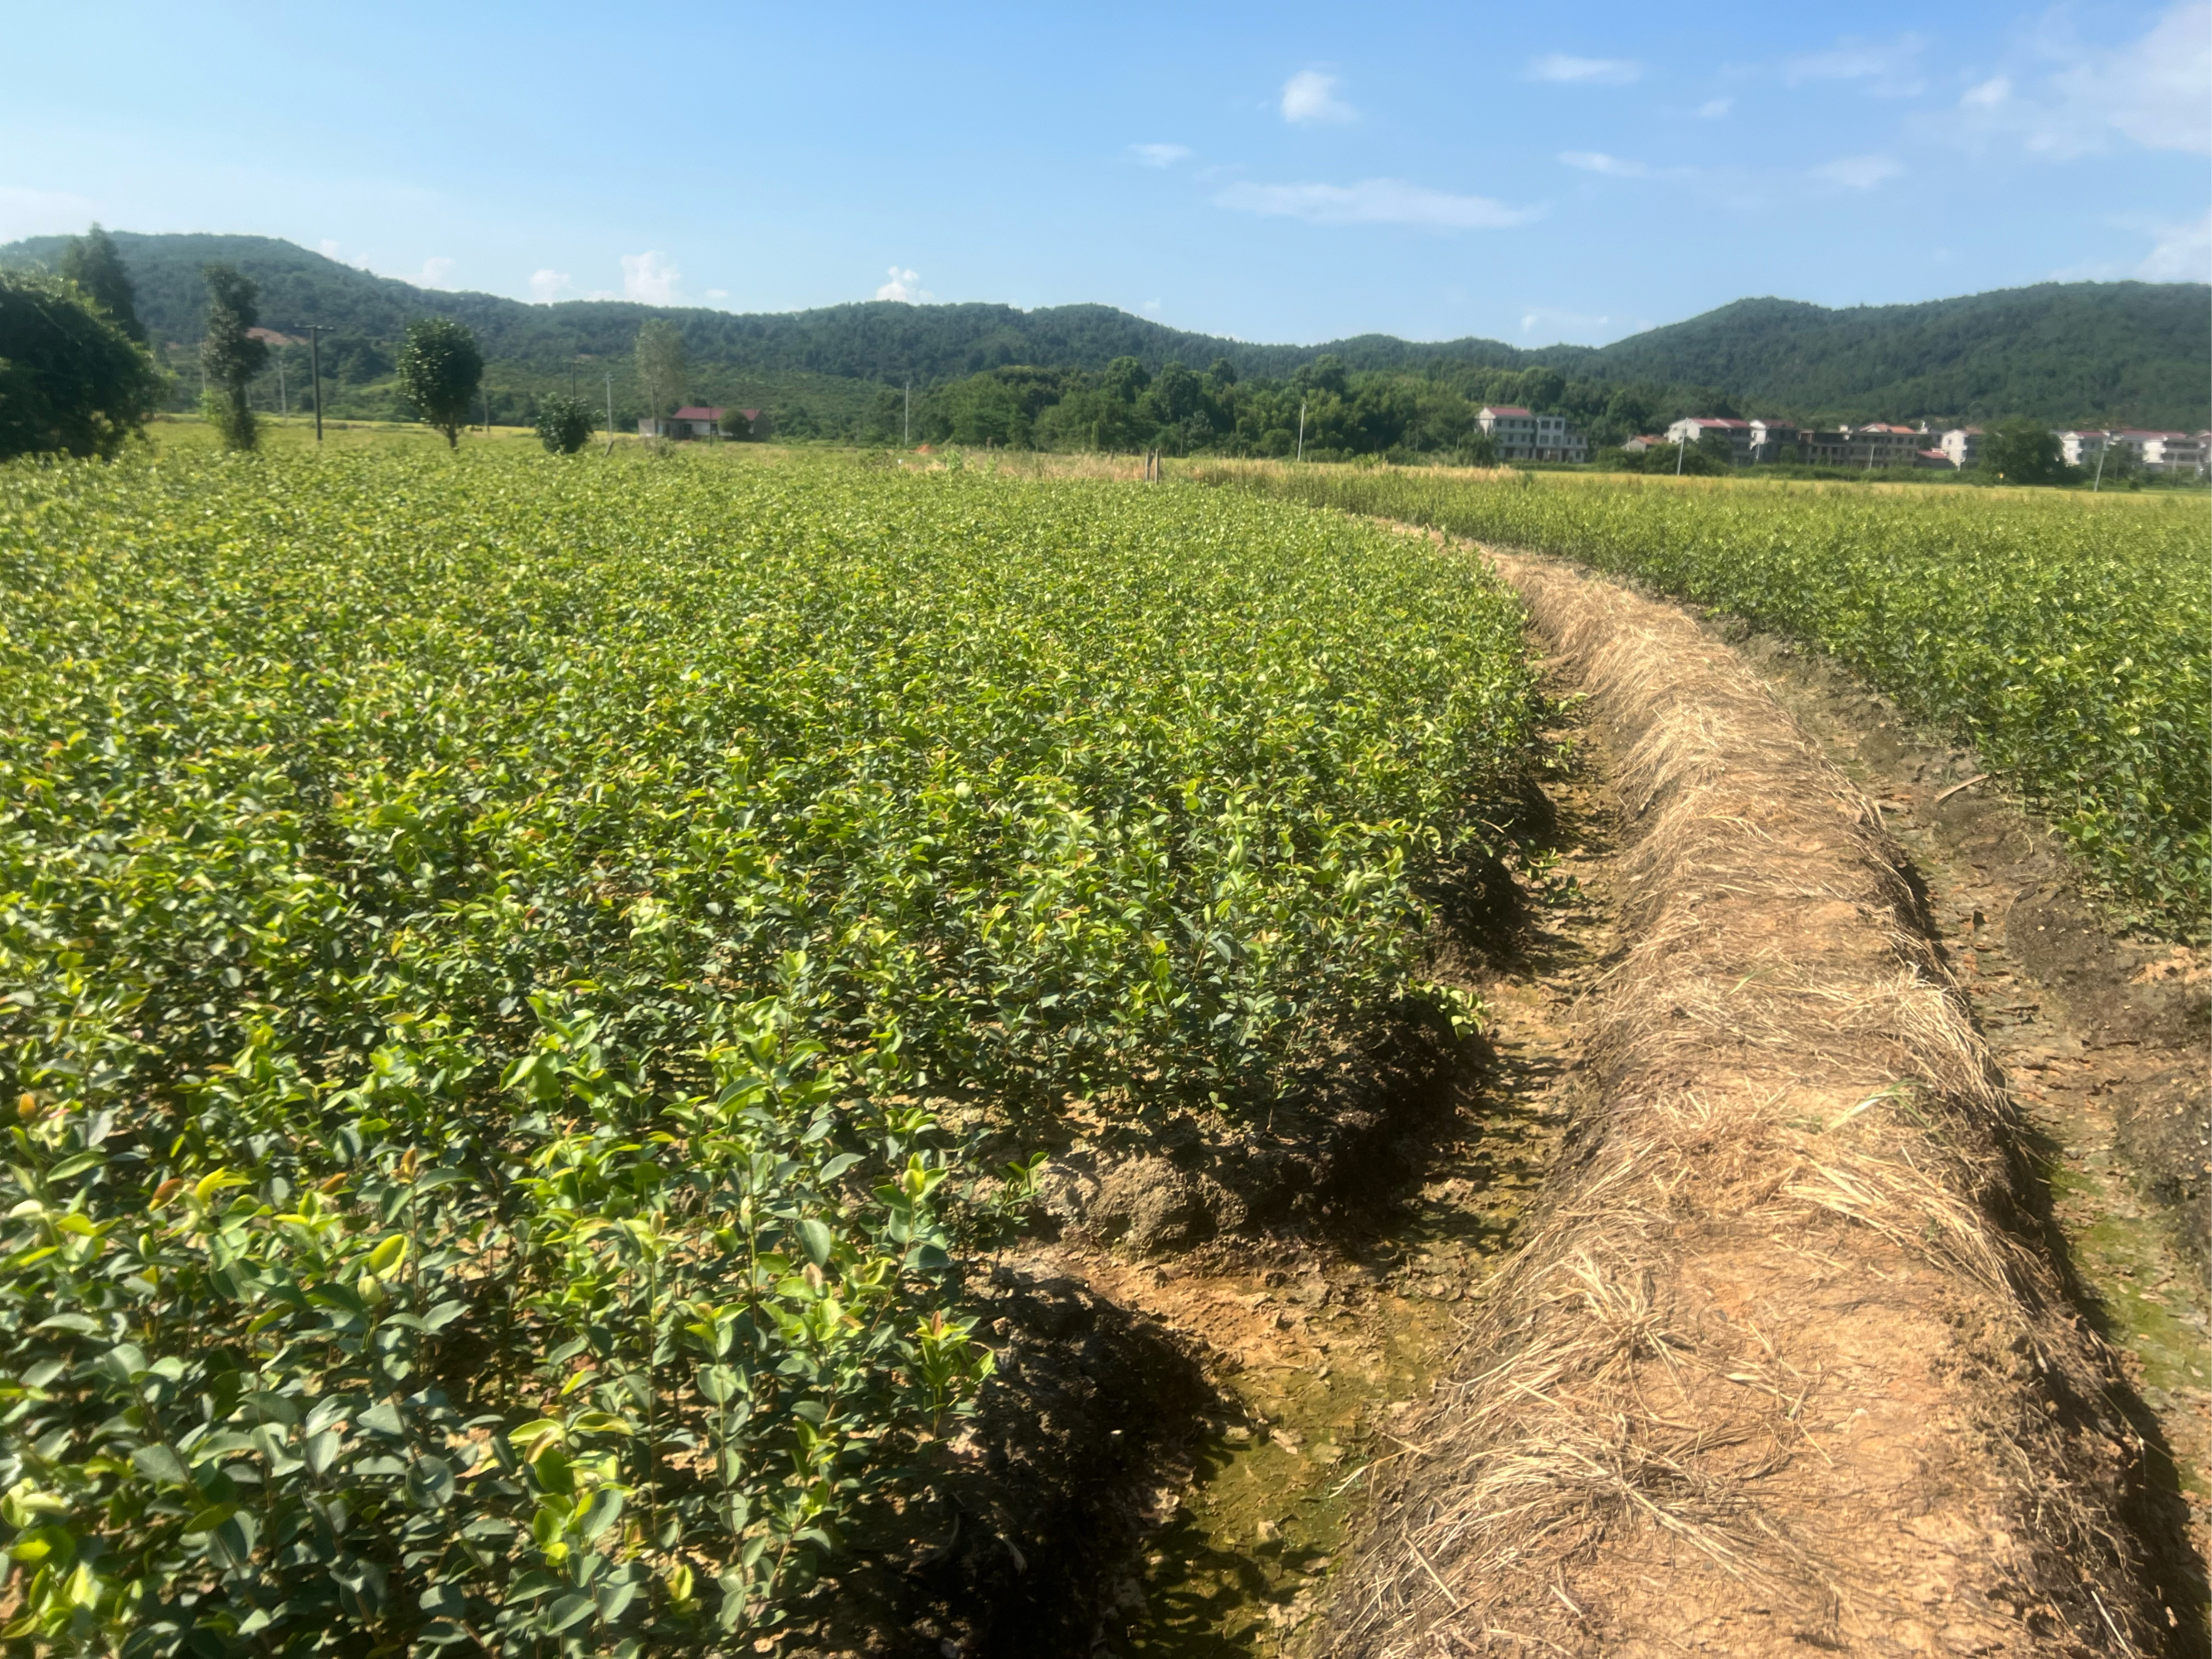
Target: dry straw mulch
column 1782, row 1368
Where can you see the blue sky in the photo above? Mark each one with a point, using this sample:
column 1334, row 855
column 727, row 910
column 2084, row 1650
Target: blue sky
column 1290, row 173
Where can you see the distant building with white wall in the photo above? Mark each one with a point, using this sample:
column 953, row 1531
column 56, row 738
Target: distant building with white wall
column 1962, row 446
column 2081, row 445
column 2163, row 452
column 1519, row 436
column 1690, row 429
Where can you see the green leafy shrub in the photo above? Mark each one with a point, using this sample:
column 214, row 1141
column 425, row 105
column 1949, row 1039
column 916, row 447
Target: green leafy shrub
column 489, row 952
column 72, row 381
column 564, row 424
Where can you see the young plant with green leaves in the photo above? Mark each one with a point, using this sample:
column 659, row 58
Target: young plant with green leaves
column 2063, row 636
column 439, row 369
column 230, row 356
column 490, row 951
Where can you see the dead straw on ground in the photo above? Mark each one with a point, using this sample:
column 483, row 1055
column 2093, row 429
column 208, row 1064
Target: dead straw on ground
column 1782, row 1366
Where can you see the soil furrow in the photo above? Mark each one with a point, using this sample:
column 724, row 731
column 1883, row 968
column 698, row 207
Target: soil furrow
column 1786, row 1359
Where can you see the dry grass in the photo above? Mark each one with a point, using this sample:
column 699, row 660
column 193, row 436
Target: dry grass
column 1779, row 1368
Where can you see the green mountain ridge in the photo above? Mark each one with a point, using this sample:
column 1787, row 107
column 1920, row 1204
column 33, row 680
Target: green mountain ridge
column 2121, row 353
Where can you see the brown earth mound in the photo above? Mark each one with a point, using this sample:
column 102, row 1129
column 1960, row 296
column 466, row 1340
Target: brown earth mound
column 1783, row 1366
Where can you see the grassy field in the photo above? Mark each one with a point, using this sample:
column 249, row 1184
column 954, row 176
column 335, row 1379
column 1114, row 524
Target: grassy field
column 2063, row 634
column 491, row 943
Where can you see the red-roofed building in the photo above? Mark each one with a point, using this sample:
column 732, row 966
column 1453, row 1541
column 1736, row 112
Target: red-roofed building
column 1875, row 444
column 1690, row 431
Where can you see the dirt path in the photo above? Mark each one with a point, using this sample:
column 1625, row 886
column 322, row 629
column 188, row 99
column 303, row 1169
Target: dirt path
column 1786, row 1357
column 2101, row 1037
column 1780, row 1279
column 1321, row 1348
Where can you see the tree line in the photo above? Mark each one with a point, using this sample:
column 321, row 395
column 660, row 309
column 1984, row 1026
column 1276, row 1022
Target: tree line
column 2102, row 353
column 77, row 376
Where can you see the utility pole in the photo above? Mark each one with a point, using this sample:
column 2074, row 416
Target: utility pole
column 315, row 371
column 1678, row 458
column 906, row 430
column 2100, row 482
column 610, row 411
column 283, row 401
column 1301, row 428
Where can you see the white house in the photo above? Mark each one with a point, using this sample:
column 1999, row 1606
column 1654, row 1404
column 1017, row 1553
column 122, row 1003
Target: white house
column 1768, row 438
column 1522, row 436
column 2164, row 452
column 2082, row 447
column 1962, row 446
column 1689, row 430
column 689, row 422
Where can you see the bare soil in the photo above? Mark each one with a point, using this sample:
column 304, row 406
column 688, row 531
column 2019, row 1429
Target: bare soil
column 1788, row 1360
column 2102, row 1037
column 1810, row 1255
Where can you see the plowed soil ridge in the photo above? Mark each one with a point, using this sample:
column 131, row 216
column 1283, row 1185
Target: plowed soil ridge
column 1784, row 1363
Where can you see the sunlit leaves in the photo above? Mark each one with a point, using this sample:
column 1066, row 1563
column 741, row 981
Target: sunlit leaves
column 488, row 944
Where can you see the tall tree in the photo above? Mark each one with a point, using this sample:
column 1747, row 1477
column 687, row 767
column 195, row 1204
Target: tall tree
column 2025, row 452
column 230, row 356
column 439, row 369
column 661, row 367
column 564, row 424
column 94, row 265
column 71, row 379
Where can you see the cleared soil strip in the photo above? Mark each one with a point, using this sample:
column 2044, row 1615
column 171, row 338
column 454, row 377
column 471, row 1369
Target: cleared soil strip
column 1782, row 1363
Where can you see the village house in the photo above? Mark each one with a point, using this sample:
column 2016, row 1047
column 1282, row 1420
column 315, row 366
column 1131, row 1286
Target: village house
column 1962, row 446
column 1768, row 439
column 2163, row 452
column 2081, row 447
column 1875, row 444
column 689, row 422
column 1522, row 436
column 1688, row 432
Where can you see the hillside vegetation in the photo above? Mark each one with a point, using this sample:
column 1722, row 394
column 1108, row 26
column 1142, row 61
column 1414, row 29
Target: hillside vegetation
column 2123, row 353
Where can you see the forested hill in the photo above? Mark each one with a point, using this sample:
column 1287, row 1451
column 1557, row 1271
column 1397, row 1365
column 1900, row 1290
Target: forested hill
column 2134, row 353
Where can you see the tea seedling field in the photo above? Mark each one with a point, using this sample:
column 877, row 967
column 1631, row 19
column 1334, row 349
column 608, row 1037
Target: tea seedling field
column 2063, row 636
column 495, row 950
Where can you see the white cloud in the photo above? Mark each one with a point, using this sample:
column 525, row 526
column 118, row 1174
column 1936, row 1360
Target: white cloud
column 1859, row 172
column 2150, row 92
column 1152, row 306
column 1613, row 166
column 2183, row 254
column 650, row 279
column 1309, row 95
column 905, row 287
column 547, row 286
column 1714, row 108
column 1888, row 69
column 718, row 293
column 1585, row 71
column 1159, row 155
column 329, row 248
column 436, row 272
column 1374, row 202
